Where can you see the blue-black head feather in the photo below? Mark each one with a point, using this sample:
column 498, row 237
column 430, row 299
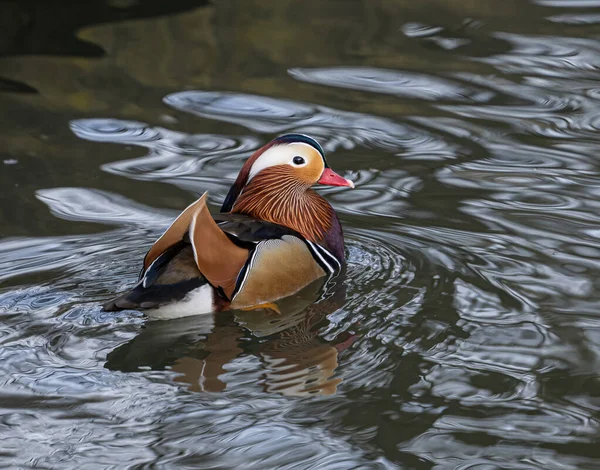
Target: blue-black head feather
column 304, row 139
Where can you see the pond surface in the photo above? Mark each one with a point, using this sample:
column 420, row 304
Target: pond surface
column 466, row 333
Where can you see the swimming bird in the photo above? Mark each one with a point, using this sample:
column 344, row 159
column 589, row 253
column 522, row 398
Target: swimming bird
column 274, row 236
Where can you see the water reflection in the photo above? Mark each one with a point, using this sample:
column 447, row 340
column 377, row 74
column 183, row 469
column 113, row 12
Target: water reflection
column 295, row 360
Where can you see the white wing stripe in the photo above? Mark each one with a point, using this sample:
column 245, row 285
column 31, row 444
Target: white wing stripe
column 250, row 265
column 315, row 249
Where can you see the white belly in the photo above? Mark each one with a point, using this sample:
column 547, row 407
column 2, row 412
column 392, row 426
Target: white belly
column 197, row 302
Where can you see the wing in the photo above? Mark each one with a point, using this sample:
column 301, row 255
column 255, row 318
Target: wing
column 191, row 253
column 248, row 232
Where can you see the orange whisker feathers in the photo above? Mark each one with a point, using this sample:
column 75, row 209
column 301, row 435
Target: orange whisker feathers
column 276, row 196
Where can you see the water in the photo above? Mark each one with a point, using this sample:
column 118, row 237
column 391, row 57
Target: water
column 466, row 332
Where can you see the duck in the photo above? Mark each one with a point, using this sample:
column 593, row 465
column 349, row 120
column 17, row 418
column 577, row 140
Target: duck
column 274, row 236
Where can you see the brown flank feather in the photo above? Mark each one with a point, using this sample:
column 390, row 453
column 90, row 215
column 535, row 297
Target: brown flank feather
column 276, row 195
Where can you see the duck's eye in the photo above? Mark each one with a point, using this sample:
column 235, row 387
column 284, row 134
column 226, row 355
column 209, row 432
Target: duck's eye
column 298, row 160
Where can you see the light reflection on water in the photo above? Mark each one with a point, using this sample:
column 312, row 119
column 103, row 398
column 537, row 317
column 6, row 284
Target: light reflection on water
column 465, row 332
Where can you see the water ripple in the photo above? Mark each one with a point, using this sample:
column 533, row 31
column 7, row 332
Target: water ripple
column 576, row 19
column 189, row 161
column 569, row 3
column 391, row 82
column 90, row 205
column 548, row 56
column 335, row 128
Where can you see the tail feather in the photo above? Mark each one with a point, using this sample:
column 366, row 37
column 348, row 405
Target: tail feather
column 120, row 303
column 154, row 296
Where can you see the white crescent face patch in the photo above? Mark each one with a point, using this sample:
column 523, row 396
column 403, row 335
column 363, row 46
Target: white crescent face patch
column 284, row 155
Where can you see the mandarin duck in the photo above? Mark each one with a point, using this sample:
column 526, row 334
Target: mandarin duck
column 274, row 236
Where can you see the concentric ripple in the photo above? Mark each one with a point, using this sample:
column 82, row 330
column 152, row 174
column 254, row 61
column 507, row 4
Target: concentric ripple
column 188, row 161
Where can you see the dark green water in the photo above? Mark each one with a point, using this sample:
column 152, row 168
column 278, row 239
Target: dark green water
column 467, row 331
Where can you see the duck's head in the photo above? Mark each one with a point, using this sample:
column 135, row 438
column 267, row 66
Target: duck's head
column 292, row 160
column 275, row 184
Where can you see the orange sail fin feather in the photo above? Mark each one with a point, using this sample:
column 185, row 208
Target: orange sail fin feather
column 217, row 257
column 175, row 232
column 274, row 237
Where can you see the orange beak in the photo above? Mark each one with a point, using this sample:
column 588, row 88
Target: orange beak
column 331, row 178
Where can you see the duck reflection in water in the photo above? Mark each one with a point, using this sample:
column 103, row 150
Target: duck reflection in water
column 297, row 361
